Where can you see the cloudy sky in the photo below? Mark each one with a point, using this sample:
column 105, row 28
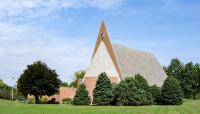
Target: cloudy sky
column 62, row 33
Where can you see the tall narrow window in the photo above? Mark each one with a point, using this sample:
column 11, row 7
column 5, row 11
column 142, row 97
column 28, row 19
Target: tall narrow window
column 102, row 35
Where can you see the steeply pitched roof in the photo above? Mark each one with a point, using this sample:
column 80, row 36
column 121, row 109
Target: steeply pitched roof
column 108, row 45
column 132, row 62
column 127, row 62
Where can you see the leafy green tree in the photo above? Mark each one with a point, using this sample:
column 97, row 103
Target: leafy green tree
column 73, row 84
column 191, row 84
column 80, row 74
column 165, row 68
column 171, row 93
column 197, row 66
column 102, row 93
column 189, row 80
column 4, row 86
column 64, row 84
column 5, row 94
column 81, row 97
column 195, row 82
column 175, row 69
column 5, row 91
column 38, row 79
column 187, row 75
column 77, row 77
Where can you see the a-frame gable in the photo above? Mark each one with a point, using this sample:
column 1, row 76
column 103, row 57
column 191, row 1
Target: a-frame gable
column 103, row 36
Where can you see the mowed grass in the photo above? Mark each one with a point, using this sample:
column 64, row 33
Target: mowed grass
column 9, row 107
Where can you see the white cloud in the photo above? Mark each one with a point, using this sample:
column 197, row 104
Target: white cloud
column 26, row 45
column 22, row 44
column 20, row 10
column 104, row 4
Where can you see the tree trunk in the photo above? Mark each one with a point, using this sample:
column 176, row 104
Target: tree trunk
column 194, row 95
column 36, row 99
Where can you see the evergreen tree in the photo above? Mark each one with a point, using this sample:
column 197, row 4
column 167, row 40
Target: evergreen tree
column 142, row 84
column 155, row 91
column 171, row 93
column 102, row 93
column 81, row 97
column 133, row 91
column 120, row 93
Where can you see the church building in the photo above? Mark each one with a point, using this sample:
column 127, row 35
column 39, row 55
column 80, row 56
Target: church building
column 119, row 62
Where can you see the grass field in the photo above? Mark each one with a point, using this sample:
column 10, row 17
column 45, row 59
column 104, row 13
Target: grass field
column 9, row 107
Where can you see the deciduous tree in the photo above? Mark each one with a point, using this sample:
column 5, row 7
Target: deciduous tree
column 38, row 79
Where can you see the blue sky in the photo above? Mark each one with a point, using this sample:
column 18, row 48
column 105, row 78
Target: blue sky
column 62, row 33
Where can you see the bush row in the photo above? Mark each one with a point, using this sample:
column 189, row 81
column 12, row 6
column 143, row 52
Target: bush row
column 132, row 91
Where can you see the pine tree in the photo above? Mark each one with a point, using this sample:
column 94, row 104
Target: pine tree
column 171, row 93
column 155, row 91
column 143, row 85
column 81, row 97
column 102, row 94
column 133, row 91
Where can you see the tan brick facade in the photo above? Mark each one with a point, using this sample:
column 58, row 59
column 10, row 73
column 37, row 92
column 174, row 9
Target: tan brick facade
column 64, row 92
column 90, row 83
column 69, row 92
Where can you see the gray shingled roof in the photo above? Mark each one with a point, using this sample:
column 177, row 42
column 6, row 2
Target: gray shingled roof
column 132, row 62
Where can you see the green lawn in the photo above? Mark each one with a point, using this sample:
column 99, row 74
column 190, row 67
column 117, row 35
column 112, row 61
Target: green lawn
column 9, row 107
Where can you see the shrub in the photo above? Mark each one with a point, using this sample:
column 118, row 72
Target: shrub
column 102, row 94
column 198, row 96
column 31, row 100
column 133, row 91
column 21, row 97
column 155, row 92
column 81, row 97
column 43, row 99
column 52, row 101
column 4, row 94
column 171, row 93
column 67, row 101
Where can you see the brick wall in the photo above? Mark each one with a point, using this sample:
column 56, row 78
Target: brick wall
column 90, row 83
column 66, row 92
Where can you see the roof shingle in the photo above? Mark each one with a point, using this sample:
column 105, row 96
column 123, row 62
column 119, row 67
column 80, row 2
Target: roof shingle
column 133, row 62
